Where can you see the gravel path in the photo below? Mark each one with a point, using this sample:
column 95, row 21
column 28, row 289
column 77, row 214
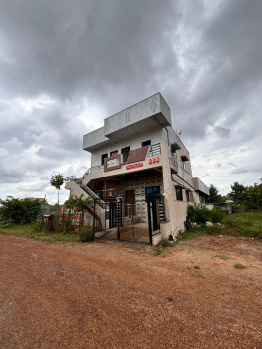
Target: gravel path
column 118, row 295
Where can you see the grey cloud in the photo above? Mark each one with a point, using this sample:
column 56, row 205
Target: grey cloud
column 240, row 171
column 33, row 187
column 64, row 49
column 222, row 131
column 231, row 164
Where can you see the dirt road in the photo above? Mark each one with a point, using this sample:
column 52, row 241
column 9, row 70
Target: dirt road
column 117, row 295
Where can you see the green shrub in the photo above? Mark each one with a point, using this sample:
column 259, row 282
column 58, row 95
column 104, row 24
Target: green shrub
column 192, row 212
column 199, row 214
column 20, row 211
column 217, row 215
column 236, row 209
column 86, row 234
column 41, row 227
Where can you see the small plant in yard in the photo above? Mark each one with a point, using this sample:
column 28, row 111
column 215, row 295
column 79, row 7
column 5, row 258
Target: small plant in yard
column 162, row 250
column 86, row 234
column 196, row 266
column 222, row 256
column 239, row 266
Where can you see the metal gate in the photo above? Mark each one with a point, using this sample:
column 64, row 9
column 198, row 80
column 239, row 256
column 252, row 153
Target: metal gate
column 156, row 214
column 137, row 220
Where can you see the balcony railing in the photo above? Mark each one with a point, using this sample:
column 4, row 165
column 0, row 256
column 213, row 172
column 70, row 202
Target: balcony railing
column 93, row 169
column 154, row 150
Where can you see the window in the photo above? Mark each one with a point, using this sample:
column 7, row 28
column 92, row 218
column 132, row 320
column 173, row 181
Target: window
column 184, row 158
column 115, row 152
column 152, row 190
column 187, row 195
column 179, row 194
column 103, row 157
column 145, row 143
column 125, row 152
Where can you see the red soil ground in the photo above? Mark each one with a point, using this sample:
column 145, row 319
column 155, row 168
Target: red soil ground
column 118, row 295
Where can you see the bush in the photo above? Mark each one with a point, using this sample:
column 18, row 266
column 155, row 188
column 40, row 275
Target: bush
column 198, row 214
column 217, row 215
column 20, row 211
column 40, row 226
column 86, row 234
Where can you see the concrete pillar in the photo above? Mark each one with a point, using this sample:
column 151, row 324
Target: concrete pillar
column 168, row 187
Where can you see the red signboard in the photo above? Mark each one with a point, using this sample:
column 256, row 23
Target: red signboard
column 134, row 166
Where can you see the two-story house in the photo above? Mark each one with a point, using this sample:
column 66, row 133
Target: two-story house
column 135, row 156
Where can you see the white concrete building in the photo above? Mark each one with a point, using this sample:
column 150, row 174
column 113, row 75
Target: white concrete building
column 137, row 153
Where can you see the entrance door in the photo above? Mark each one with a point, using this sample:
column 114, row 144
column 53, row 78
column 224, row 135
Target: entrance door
column 130, row 208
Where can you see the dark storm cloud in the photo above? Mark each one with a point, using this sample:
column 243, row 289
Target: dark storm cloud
column 228, row 50
column 82, row 47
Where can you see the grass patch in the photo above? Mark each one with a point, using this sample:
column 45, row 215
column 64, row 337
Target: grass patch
column 190, row 234
column 162, row 250
column 29, row 231
column 248, row 224
column 222, row 256
column 239, row 266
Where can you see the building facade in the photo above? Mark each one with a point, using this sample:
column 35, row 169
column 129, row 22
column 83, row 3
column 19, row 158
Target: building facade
column 136, row 154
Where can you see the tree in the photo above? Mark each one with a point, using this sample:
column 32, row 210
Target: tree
column 78, row 203
column 238, row 193
column 20, row 211
column 253, row 197
column 214, row 196
column 57, row 181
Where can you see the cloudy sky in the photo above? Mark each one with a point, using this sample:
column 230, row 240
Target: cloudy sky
column 66, row 65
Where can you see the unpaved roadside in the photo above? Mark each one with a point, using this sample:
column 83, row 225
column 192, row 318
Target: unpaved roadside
column 118, row 295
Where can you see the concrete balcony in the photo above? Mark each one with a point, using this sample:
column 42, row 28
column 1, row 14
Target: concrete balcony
column 135, row 155
column 200, row 186
column 141, row 159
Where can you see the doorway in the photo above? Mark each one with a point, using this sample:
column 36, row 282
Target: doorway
column 130, row 207
column 125, row 152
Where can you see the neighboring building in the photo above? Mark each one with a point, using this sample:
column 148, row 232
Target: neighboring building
column 137, row 153
column 225, row 206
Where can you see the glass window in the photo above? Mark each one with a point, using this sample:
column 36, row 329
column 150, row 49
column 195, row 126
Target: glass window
column 152, row 190
column 179, row 194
